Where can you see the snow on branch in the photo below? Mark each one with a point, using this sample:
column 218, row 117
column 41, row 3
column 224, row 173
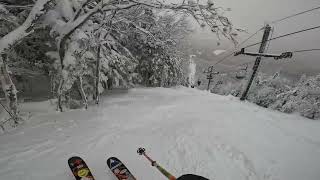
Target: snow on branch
column 25, row 29
column 205, row 14
column 71, row 26
column 18, row 6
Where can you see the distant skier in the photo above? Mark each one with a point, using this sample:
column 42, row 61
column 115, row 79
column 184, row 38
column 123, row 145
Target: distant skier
column 192, row 71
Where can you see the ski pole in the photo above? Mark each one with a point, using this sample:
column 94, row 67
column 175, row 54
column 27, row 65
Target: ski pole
column 142, row 151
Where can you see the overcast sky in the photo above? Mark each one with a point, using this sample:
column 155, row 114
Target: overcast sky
column 253, row 14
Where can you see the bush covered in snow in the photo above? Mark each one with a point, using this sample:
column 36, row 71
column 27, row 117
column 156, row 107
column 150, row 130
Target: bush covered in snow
column 226, row 84
column 265, row 89
column 303, row 98
column 275, row 92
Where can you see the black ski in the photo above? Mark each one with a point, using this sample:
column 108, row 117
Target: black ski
column 119, row 169
column 79, row 168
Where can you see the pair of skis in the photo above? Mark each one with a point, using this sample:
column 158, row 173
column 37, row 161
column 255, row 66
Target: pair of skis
column 81, row 170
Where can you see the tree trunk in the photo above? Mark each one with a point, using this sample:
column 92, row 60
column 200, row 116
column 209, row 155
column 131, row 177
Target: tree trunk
column 83, row 94
column 60, row 95
column 9, row 89
column 98, row 75
column 52, row 86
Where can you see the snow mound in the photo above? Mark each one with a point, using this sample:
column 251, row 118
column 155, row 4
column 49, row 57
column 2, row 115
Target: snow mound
column 218, row 52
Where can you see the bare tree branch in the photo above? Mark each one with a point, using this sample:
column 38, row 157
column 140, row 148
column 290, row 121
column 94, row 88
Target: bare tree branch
column 18, row 6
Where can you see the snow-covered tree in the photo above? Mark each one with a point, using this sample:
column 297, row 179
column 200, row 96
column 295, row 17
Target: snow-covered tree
column 71, row 15
column 266, row 89
column 155, row 46
column 192, row 71
column 227, row 83
column 275, row 92
column 304, row 98
column 6, row 43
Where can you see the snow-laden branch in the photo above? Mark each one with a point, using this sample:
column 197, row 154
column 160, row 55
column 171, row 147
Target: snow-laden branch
column 25, row 29
column 18, row 6
column 9, row 20
column 204, row 14
column 128, row 22
column 71, row 26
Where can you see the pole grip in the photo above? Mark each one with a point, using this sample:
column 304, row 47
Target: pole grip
column 165, row 173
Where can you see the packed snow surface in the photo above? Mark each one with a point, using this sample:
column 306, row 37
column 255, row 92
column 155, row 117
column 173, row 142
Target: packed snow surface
column 185, row 130
column 218, row 52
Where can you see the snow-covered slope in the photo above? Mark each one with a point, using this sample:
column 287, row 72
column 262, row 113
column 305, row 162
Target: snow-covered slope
column 185, row 130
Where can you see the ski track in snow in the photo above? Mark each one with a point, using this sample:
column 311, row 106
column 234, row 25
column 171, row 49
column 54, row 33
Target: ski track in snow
column 184, row 130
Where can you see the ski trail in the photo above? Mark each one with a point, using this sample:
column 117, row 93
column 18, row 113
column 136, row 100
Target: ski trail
column 187, row 144
column 184, row 130
column 299, row 138
column 239, row 158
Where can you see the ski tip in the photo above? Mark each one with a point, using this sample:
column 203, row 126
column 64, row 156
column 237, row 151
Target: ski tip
column 74, row 157
column 79, row 168
column 113, row 158
column 113, row 161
